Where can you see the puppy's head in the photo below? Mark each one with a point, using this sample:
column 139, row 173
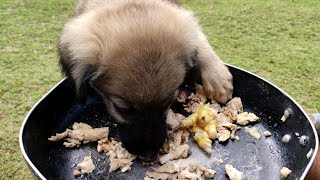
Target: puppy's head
column 137, row 68
column 138, row 88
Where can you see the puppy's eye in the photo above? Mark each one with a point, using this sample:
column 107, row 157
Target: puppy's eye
column 126, row 111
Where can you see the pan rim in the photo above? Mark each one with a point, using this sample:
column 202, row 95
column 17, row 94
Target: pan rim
column 304, row 174
column 22, row 149
column 39, row 174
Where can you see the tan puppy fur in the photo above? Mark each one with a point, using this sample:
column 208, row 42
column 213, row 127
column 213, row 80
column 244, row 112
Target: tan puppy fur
column 137, row 53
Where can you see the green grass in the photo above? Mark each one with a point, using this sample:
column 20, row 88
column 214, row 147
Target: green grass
column 277, row 39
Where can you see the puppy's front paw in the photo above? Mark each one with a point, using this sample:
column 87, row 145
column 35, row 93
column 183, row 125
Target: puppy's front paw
column 217, row 83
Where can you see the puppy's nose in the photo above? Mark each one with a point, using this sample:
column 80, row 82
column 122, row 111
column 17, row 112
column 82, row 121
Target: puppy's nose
column 148, row 156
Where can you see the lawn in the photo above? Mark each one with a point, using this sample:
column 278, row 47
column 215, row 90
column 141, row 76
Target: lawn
column 276, row 39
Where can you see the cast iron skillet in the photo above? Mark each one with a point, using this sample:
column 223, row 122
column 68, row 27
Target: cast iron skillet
column 258, row 159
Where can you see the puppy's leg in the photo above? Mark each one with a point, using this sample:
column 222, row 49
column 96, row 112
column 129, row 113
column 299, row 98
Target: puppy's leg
column 215, row 76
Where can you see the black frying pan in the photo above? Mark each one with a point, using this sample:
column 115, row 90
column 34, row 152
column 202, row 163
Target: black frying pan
column 258, row 159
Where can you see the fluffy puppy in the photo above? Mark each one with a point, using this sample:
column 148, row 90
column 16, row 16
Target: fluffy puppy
column 136, row 54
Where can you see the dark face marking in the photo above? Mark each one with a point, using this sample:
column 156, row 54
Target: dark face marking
column 142, row 129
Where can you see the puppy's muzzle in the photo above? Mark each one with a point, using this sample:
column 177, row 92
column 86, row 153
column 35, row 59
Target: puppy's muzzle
column 143, row 138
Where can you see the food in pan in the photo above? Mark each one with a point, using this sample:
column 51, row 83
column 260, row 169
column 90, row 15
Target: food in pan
column 80, row 133
column 209, row 121
column 233, row 173
column 284, row 172
column 119, row 157
column 180, row 169
column 176, row 146
column 245, row 117
column 254, row 132
column 86, row 166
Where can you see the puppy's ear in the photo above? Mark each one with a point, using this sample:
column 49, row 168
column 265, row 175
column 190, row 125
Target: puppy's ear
column 80, row 53
column 83, row 82
column 80, row 75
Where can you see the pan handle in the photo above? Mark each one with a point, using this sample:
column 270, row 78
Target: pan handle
column 316, row 121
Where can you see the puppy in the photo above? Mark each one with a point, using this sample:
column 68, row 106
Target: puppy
column 136, row 54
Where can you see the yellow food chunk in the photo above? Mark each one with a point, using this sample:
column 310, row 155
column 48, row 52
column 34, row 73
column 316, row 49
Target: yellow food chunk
column 205, row 116
column 203, row 141
column 211, row 129
column 190, row 120
column 203, row 124
column 195, row 129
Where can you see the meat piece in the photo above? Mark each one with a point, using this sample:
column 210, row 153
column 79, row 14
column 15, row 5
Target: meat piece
column 194, row 100
column 175, row 139
column 86, row 166
column 254, row 132
column 183, row 95
column 222, row 118
column 76, row 172
column 285, row 171
column 180, row 169
column 223, row 135
column 59, row 136
column 216, row 106
column 104, row 145
column 169, row 167
column 95, row 134
column 233, row 173
column 180, row 137
column 122, row 164
column 120, row 158
column 80, row 132
column 235, row 104
column 173, row 120
column 245, row 117
column 178, row 152
column 233, row 129
column 209, row 173
column 191, row 107
column 233, row 107
column 81, row 126
column 70, row 143
column 186, row 174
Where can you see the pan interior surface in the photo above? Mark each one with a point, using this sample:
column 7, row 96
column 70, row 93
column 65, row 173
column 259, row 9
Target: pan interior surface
column 258, row 159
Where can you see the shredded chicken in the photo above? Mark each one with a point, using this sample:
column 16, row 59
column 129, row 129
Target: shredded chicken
column 194, row 100
column 245, row 117
column 233, row 173
column 120, row 158
column 173, row 120
column 211, row 121
column 80, row 133
column 254, row 132
column 180, row 169
column 183, row 95
column 233, row 107
column 86, row 166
